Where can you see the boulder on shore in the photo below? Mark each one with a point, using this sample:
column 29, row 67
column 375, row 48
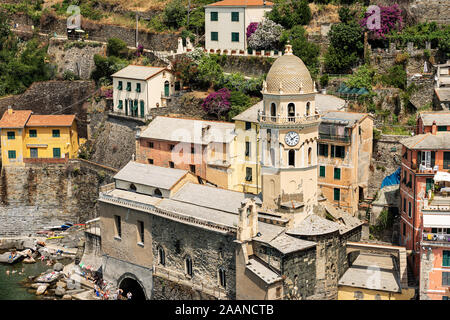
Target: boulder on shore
column 59, row 291
column 67, row 297
column 41, row 290
column 58, row 266
column 29, row 260
column 38, row 284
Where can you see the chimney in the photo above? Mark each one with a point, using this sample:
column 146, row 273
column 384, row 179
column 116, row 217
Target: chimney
column 434, row 128
column 10, row 110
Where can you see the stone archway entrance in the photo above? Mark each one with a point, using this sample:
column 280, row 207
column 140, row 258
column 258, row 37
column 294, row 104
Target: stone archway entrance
column 133, row 286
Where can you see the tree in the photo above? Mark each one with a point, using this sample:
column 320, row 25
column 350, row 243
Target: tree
column 361, row 78
column 266, row 36
column 346, row 15
column 302, row 48
column 290, row 13
column 105, row 67
column 116, row 47
column 185, row 69
column 209, row 72
column 396, row 77
column 217, row 103
column 174, row 14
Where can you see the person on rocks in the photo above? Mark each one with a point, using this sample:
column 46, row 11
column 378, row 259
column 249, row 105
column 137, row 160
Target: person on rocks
column 129, row 295
column 119, row 294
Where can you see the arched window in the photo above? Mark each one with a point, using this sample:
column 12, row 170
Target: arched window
column 292, row 158
column 157, row 193
column 273, row 111
column 308, row 109
column 309, row 155
column 188, row 265
column 222, row 278
column 161, row 256
column 132, row 187
column 291, row 112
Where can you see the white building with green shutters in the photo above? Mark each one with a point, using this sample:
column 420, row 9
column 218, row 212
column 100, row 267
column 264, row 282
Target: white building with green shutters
column 226, row 23
column 138, row 89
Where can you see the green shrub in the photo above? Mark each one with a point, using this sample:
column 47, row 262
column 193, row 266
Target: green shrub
column 395, row 77
column 174, row 14
column 69, row 75
column 290, row 13
column 362, row 78
column 324, row 79
column 116, row 47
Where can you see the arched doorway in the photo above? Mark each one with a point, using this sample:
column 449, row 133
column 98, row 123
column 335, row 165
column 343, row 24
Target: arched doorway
column 291, row 112
column 133, row 286
column 166, row 88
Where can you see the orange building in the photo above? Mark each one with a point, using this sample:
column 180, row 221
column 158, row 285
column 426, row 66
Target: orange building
column 201, row 147
column 425, row 213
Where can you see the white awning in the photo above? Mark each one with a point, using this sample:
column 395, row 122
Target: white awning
column 436, row 220
column 441, row 176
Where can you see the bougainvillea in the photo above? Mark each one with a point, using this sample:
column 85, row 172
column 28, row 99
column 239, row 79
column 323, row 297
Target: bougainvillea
column 266, row 36
column 380, row 21
column 251, row 28
column 139, row 50
column 217, row 103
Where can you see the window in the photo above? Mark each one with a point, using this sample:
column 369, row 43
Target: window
column 120, row 106
column 404, row 205
column 150, row 161
column 309, row 156
column 33, row 133
column 171, row 164
column 214, row 36
column 322, row 171
column 161, row 256
column 273, row 111
column 404, row 229
column 138, row 87
column 150, row 145
column 132, row 188
column 248, row 174
column 447, row 160
column 11, row 154
column 358, row 295
column 409, row 209
column 337, row 173
column 157, row 193
column 33, row 152
column 338, row 151
column 222, row 278
column 235, row 16
column 444, row 298
column 337, row 194
column 442, row 128
column 55, row 133
column 118, row 226
column 11, row 135
column 171, row 146
column 128, row 86
column 119, row 86
column 192, row 150
column 56, row 153
column 235, row 36
column 446, row 278
column 308, row 109
column 247, row 148
column 446, row 258
column 248, row 125
column 291, row 112
column 214, row 16
column 192, row 168
column 188, row 264
column 140, row 225
column 291, row 156
column 323, row 150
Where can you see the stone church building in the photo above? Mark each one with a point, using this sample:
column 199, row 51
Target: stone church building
column 165, row 236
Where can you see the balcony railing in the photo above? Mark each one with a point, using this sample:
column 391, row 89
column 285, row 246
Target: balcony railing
column 288, row 119
column 340, row 138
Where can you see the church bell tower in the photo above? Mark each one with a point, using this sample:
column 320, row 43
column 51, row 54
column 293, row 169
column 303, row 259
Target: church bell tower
column 288, row 136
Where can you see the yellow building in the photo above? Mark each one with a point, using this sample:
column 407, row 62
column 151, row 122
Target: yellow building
column 29, row 138
column 344, row 153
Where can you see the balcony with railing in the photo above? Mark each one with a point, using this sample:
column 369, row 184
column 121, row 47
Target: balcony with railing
column 294, row 119
column 334, row 137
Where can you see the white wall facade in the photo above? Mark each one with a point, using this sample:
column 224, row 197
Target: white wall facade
column 224, row 26
column 152, row 93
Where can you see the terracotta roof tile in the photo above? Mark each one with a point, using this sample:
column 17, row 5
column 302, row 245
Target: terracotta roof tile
column 246, row 3
column 64, row 120
column 17, row 119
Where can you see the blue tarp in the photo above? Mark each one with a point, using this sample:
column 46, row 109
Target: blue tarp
column 391, row 179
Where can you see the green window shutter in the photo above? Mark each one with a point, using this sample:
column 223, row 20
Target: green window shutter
column 235, row 16
column 337, row 194
column 442, row 128
column 138, row 87
column 214, row 16
column 56, row 153
column 55, row 133
column 322, row 171
column 214, row 36
column 11, row 135
column 11, row 154
column 337, row 173
column 235, row 36
column 120, row 106
column 446, row 258
column 119, row 86
column 128, row 86
column 446, row 160
column 33, row 133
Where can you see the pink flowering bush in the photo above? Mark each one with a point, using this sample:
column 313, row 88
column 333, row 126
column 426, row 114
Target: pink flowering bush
column 390, row 19
column 251, row 28
column 217, row 103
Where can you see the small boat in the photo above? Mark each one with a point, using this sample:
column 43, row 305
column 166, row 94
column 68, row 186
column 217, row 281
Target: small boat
column 56, row 237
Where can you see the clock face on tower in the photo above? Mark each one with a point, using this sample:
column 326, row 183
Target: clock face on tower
column 291, row 138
